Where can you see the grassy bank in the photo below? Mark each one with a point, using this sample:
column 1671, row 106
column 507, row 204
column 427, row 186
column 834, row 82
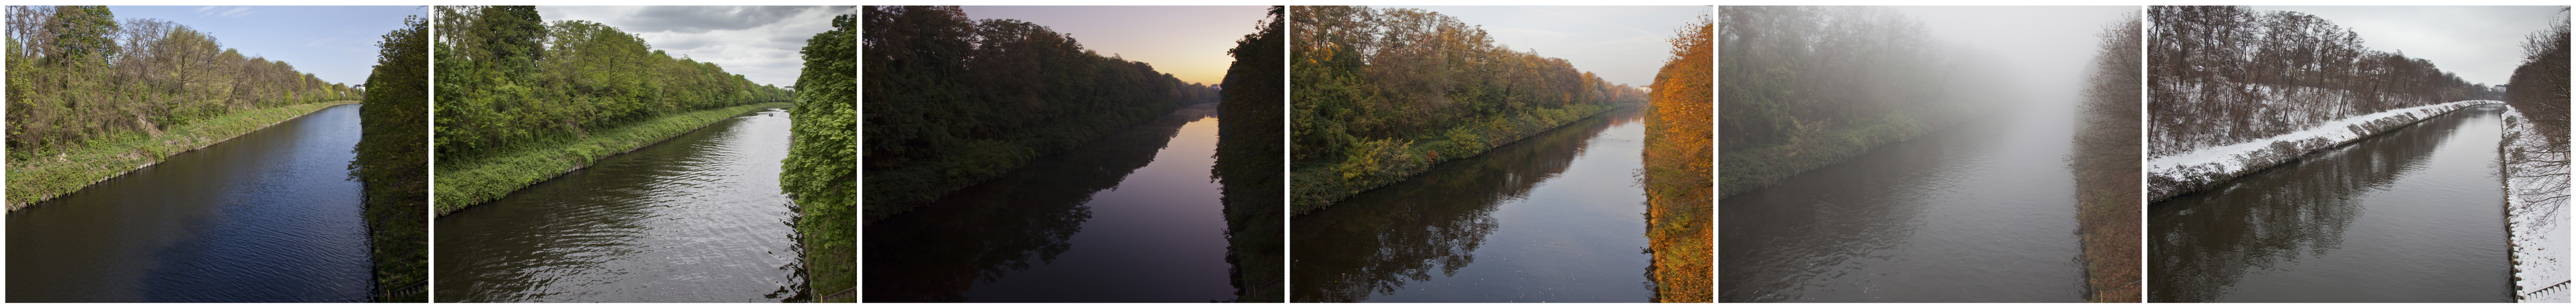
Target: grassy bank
column 1387, row 161
column 36, row 175
column 495, row 175
column 1748, row 169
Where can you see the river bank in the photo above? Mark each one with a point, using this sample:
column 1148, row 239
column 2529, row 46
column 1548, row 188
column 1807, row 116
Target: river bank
column 1317, row 187
column 2203, row 168
column 2536, row 192
column 464, row 184
column 43, row 174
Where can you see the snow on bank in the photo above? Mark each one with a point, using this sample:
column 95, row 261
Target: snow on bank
column 2203, row 168
column 2535, row 210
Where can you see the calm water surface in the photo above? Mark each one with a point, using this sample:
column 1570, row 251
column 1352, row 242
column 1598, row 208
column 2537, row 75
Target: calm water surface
column 697, row 218
column 1130, row 217
column 2415, row 215
column 1556, row 217
column 1984, row 211
column 270, row 216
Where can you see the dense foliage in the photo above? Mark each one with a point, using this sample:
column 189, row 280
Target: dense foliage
column 76, row 73
column 1248, row 163
column 507, row 78
column 821, row 170
column 393, row 161
column 2225, row 74
column 1383, row 93
column 952, row 101
column 2105, row 160
column 1807, row 87
column 1676, row 174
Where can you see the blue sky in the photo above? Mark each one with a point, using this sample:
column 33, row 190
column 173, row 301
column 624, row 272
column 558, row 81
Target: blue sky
column 335, row 43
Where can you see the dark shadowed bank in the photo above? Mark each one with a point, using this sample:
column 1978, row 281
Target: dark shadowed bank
column 2105, row 162
column 1248, row 162
column 1678, row 212
column 821, row 169
column 937, row 122
column 393, row 161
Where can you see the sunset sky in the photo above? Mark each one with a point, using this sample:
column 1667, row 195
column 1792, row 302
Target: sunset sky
column 1188, row 42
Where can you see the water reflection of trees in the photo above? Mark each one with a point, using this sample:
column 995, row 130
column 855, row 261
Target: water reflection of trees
column 1248, row 162
column 937, row 252
column 1378, row 240
column 1779, row 242
column 2202, row 243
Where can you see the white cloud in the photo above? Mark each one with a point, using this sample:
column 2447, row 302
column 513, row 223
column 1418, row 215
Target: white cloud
column 760, row 43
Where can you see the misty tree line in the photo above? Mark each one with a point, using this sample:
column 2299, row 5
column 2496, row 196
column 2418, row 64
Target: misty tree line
column 952, row 101
column 1794, row 71
column 507, row 77
column 1404, row 74
column 76, row 73
column 2228, row 74
column 1807, row 87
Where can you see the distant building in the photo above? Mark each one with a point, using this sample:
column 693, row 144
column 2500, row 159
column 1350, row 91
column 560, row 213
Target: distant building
column 2499, row 88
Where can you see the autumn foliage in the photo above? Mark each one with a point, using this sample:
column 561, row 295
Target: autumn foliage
column 1676, row 172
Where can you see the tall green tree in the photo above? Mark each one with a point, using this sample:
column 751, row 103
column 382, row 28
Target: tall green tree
column 393, row 161
column 821, row 169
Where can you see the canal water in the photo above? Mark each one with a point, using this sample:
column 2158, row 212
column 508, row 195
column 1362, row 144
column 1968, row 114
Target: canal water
column 1129, row 217
column 270, row 216
column 2414, row 215
column 696, row 218
column 1980, row 212
column 1556, row 217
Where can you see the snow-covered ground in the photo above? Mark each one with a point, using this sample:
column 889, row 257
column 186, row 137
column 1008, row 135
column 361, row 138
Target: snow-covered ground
column 2536, row 210
column 2173, row 175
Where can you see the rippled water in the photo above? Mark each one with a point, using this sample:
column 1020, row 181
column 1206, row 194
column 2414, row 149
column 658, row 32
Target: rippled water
column 1129, row 217
column 697, row 218
column 1983, row 212
column 1556, row 217
column 2414, row 215
column 270, row 216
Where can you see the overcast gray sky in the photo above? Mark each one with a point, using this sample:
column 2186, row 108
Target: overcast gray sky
column 1622, row 44
column 758, row 42
column 2481, row 43
column 2046, row 47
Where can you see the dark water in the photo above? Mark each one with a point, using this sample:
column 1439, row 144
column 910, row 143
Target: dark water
column 1556, row 217
column 270, row 216
column 1130, row 217
column 2411, row 216
column 697, row 218
column 1984, row 212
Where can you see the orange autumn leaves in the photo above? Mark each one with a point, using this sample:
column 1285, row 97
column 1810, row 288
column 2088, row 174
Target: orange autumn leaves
column 1677, row 168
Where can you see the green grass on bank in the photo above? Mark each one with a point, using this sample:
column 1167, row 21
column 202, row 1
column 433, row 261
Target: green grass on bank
column 1387, row 161
column 467, row 183
column 36, row 175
